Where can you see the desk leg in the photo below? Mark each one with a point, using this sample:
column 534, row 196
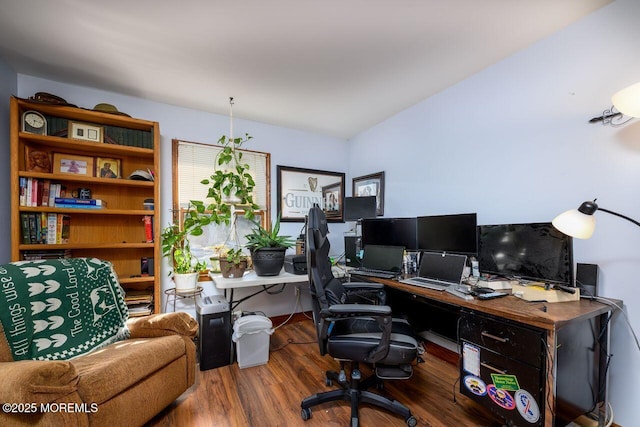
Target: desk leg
column 603, row 368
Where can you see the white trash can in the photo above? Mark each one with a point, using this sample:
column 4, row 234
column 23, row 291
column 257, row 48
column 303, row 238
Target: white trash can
column 251, row 335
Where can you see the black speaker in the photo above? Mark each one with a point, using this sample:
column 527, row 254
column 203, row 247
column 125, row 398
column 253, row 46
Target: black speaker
column 351, row 249
column 587, row 279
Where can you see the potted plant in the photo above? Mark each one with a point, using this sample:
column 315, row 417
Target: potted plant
column 233, row 264
column 268, row 248
column 176, row 247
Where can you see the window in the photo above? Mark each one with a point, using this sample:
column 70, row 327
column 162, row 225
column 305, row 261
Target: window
column 193, row 162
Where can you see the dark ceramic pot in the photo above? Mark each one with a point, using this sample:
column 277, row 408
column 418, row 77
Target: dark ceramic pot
column 268, row 261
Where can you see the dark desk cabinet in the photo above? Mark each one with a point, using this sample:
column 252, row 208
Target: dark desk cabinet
column 503, row 367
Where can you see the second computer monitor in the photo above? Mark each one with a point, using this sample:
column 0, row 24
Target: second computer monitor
column 390, row 231
column 448, row 233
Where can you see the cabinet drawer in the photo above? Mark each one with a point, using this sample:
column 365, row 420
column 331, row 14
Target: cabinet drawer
column 511, row 340
column 514, row 392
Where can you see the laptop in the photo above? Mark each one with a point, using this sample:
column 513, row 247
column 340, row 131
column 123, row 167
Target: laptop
column 438, row 271
column 382, row 261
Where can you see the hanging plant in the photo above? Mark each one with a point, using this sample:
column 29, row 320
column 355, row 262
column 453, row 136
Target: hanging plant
column 231, row 184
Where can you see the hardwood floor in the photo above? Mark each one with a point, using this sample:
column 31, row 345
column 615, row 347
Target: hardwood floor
column 270, row 395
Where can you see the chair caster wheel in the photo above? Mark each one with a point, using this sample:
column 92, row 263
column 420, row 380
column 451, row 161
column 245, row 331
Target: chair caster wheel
column 305, row 414
column 328, row 382
column 412, row 421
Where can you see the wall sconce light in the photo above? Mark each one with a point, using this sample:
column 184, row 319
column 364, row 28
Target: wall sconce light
column 625, row 103
column 581, row 223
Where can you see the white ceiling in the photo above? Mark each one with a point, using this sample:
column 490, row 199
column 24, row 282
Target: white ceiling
column 335, row 67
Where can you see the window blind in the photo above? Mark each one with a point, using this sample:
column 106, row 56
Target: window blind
column 196, row 161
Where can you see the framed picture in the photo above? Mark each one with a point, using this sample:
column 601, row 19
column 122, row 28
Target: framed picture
column 108, row 168
column 37, row 160
column 299, row 189
column 85, row 131
column 332, row 199
column 69, row 163
column 371, row 185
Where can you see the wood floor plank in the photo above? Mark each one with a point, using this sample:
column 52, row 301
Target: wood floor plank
column 269, row 395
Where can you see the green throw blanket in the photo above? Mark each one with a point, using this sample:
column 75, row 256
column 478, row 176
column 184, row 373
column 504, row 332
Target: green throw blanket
column 60, row 309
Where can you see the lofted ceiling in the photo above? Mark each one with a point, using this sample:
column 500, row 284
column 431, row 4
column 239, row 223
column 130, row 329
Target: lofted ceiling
column 334, row 67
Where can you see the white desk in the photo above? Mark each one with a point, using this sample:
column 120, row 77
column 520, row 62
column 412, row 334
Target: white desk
column 251, row 279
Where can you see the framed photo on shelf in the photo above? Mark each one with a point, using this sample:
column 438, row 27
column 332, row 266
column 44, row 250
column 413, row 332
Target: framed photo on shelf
column 299, row 189
column 85, row 131
column 108, row 168
column 371, row 185
column 37, row 160
column 70, row 163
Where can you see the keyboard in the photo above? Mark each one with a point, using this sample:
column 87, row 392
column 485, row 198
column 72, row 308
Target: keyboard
column 426, row 283
column 382, row 274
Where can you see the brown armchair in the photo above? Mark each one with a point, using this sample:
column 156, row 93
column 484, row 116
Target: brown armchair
column 123, row 383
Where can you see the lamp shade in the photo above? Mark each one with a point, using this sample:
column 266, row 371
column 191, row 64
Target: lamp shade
column 627, row 101
column 575, row 223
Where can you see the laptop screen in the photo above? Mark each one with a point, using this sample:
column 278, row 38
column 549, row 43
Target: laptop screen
column 383, row 257
column 444, row 267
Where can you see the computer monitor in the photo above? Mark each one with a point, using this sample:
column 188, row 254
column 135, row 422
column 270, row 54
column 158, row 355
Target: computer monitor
column 533, row 251
column 390, row 231
column 356, row 208
column 448, row 233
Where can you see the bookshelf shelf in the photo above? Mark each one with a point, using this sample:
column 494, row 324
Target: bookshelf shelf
column 116, row 232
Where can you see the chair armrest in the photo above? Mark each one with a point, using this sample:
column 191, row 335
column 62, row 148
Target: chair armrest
column 363, row 285
column 37, row 381
column 162, row 324
column 366, row 291
column 355, row 310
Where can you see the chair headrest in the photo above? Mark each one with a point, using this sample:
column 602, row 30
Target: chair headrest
column 317, row 220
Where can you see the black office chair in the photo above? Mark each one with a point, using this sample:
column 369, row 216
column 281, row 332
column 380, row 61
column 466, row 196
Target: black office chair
column 354, row 333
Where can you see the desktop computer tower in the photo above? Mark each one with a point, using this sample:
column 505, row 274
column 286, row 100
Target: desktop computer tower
column 351, row 249
column 214, row 338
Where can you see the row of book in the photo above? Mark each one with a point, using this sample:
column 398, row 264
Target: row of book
column 58, row 126
column 139, row 302
column 48, row 254
column 40, row 192
column 72, row 202
column 45, row 228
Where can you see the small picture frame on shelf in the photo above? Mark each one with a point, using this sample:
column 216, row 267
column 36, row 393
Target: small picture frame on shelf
column 69, row 163
column 85, row 131
column 108, row 168
column 37, row 160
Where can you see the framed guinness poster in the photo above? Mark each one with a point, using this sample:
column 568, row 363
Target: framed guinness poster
column 299, row 189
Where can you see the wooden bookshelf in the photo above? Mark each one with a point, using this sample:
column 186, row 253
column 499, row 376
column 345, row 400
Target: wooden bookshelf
column 116, row 232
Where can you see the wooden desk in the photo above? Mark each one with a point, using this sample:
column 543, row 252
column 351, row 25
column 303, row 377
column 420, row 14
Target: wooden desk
column 558, row 323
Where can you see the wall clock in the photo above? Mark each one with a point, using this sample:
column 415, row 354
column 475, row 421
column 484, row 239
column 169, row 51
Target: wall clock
column 34, row 122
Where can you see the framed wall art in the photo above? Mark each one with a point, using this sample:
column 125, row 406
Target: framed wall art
column 371, row 185
column 299, row 189
column 69, row 163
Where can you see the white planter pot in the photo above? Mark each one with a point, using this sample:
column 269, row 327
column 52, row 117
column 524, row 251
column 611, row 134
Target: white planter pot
column 186, row 282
